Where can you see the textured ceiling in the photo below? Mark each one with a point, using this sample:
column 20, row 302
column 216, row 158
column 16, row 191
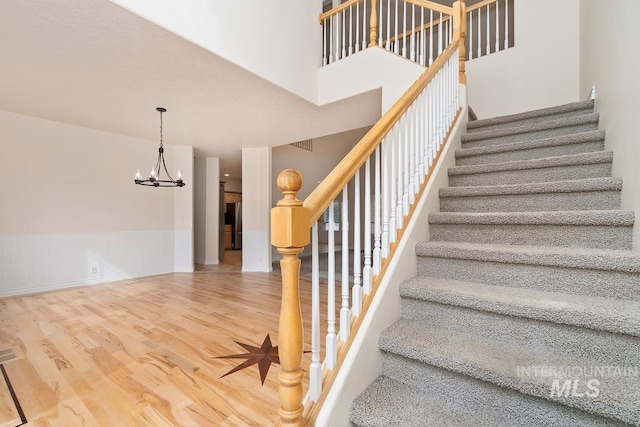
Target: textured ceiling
column 92, row 63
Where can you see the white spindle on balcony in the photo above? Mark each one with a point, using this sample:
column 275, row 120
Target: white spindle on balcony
column 356, row 290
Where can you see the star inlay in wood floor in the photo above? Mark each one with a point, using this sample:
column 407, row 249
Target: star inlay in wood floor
column 263, row 356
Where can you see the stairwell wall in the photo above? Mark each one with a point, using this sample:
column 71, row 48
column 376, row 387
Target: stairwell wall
column 608, row 30
column 540, row 70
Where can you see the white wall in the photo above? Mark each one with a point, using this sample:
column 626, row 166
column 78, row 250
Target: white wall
column 279, row 41
column 368, row 70
column 256, row 209
column 233, row 185
column 207, row 210
column 541, row 70
column 609, row 31
column 71, row 214
column 181, row 157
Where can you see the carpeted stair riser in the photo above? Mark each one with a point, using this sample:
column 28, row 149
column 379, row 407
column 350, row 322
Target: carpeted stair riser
column 579, row 281
column 535, row 149
column 531, row 117
column 601, row 314
column 493, row 361
column 528, row 264
column 586, row 236
column 431, row 396
column 548, row 174
column 530, row 335
column 586, row 200
column 485, row 139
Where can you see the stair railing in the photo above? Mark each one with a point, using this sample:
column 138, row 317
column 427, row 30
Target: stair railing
column 386, row 172
column 416, row 29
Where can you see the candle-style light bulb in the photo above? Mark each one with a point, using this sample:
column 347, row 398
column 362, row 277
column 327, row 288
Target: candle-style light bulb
column 153, row 173
column 179, row 174
column 138, row 176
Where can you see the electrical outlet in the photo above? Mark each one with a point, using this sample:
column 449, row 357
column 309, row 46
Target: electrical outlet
column 94, row 270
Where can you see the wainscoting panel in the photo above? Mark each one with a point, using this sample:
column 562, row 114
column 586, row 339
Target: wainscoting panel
column 43, row 262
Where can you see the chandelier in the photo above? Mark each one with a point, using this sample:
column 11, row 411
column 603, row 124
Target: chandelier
column 154, row 179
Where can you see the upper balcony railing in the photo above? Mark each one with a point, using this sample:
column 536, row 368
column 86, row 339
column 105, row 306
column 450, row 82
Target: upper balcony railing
column 415, row 29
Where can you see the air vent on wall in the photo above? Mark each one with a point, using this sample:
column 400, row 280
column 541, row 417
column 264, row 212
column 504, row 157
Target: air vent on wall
column 307, row 144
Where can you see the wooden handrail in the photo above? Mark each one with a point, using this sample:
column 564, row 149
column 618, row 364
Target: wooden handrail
column 318, row 201
column 431, row 5
column 337, row 9
column 423, row 3
column 415, row 30
column 481, row 4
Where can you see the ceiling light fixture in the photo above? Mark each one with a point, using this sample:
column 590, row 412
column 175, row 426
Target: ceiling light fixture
column 154, row 177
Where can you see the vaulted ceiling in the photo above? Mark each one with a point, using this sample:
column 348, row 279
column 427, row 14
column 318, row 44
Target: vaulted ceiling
column 92, row 63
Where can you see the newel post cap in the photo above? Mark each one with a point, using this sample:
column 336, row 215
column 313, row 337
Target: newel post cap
column 289, row 220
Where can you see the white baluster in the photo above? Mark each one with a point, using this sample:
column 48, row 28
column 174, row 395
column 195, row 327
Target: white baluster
column 430, row 37
column 410, row 113
column 364, row 25
column 404, row 31
column 440, row 25
column 357, row 32
column 386, row 142
column 345, row 313
column 488, row 33
column 366, row 271
column 388, row 25
column 380, row 21
column 422, row 37
column 400, row 172
column 332, row 339
column 350, row 30
column 412, row 46
column 396, row 44
column 506, row 24
column 497, row 26
column 420, row 151
column 356, row 290
column 331, row 31
column 393, row 181
column 405, row 167
column 343, row 35
column 479, row 33
column 470, row 50
column 324, row 42
column 377, row 230
column 315, row 370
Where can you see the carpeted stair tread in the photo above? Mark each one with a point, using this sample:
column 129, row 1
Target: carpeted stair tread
column 547, row 162
column 582, row 120
column 603, row 314
column 610, row 217
column 387, row 402
column 446, row 399
column 580, row 258
column 576, row 138
column 574, row 107
column 497, row 362
column 578, row 185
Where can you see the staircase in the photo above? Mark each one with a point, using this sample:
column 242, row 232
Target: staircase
column 529, row 271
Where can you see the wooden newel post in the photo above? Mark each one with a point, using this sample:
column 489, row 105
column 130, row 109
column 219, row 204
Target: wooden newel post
column 290, row 234
column 460, row 27
column 373, row 25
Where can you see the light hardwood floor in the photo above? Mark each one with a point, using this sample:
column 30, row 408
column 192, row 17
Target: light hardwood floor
column 143, row 352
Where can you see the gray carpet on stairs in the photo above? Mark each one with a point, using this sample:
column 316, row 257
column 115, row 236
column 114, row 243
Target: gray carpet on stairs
column 529, row 268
